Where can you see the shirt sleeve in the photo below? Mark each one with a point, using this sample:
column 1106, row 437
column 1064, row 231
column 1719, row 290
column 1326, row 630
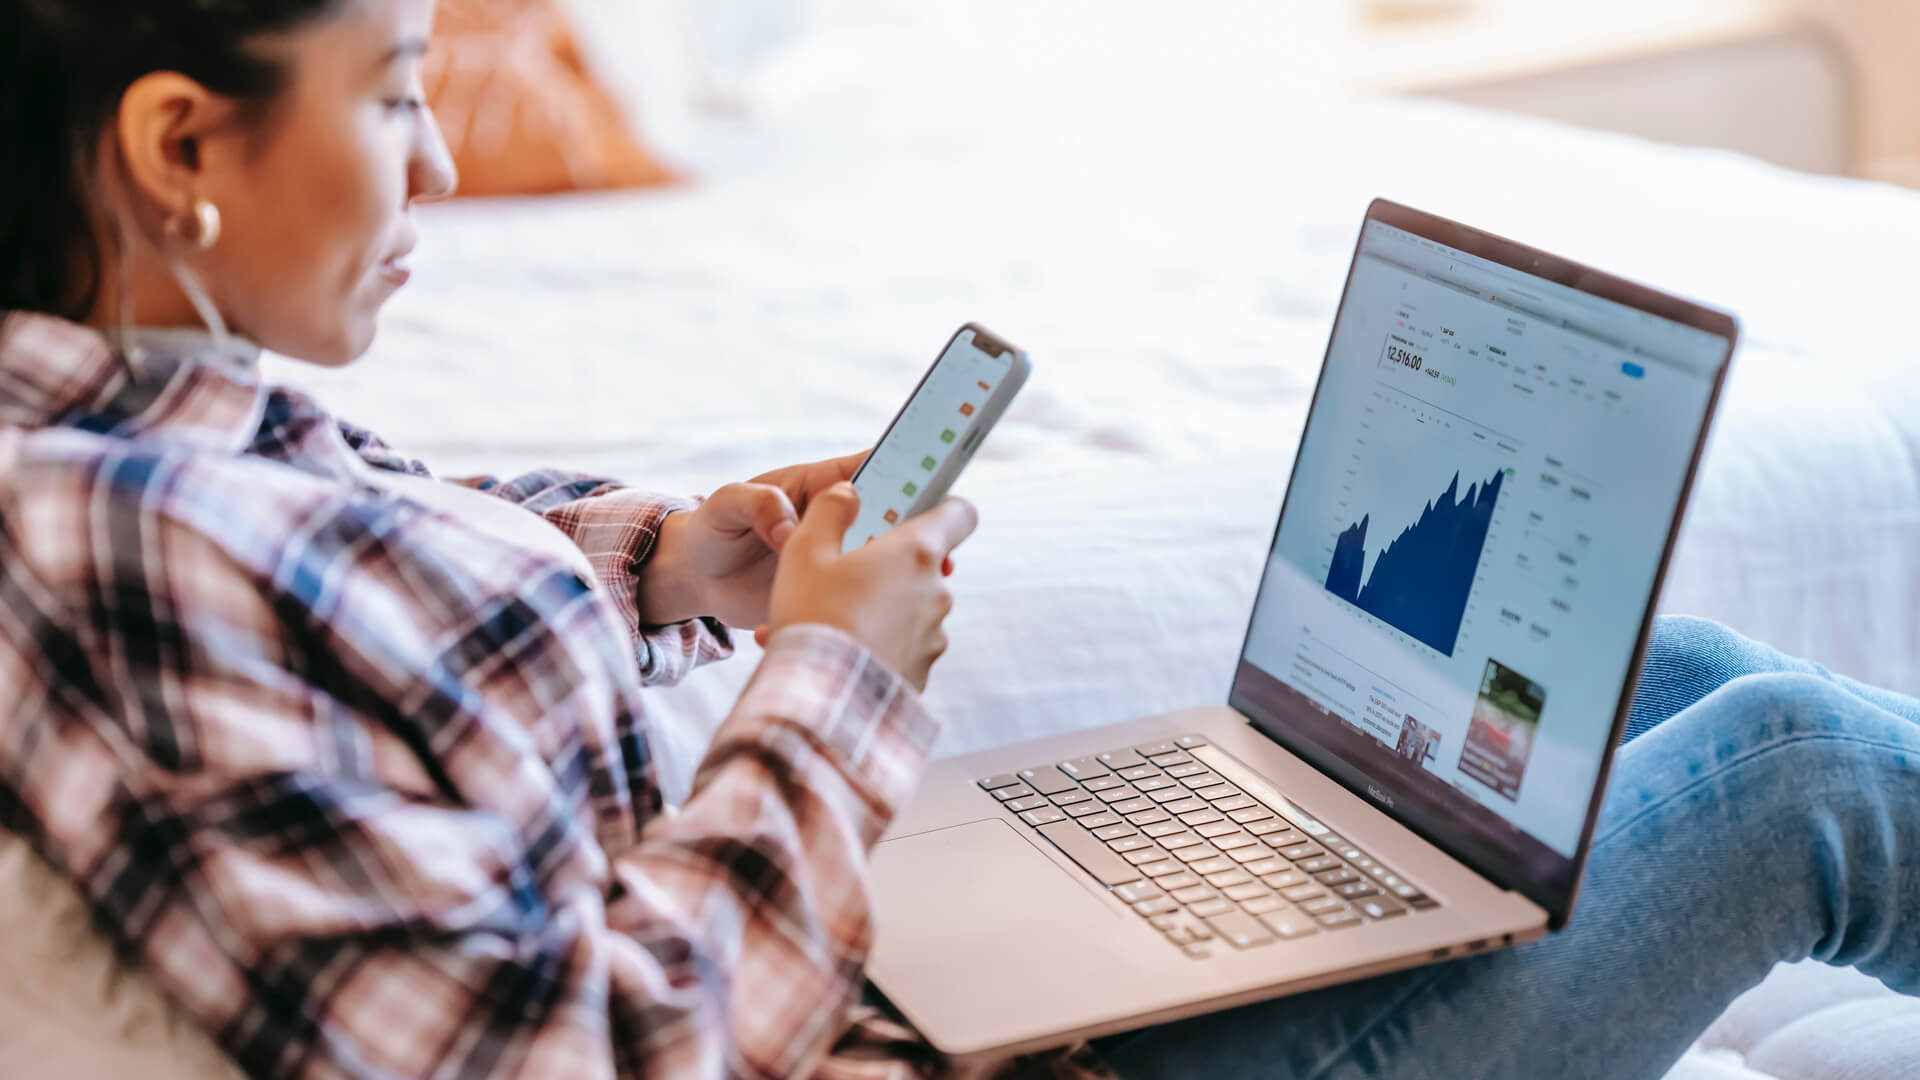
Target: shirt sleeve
column 399, row 823
column 616, row 527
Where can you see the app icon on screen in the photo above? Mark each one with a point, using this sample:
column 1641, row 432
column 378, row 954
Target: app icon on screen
column 911, row 489
column 893, row 517
column 948, row 435
column 928, row 464
column 967, row 409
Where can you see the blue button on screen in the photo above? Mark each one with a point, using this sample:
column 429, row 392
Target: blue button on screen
column 1633, row 371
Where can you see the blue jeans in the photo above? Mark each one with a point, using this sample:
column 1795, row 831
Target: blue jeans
column 1764, row 810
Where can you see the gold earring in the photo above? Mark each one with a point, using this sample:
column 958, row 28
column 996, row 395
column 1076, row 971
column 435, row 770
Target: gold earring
column 198, row 228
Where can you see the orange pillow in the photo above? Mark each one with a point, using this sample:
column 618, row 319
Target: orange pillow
column 520, row 110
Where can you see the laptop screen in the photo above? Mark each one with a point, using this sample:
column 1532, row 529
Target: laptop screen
column 1479, row 514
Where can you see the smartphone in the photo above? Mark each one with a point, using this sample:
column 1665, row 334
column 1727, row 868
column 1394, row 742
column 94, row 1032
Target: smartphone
column 934, row 435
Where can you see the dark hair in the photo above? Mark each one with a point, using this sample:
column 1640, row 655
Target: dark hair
column 64, row 67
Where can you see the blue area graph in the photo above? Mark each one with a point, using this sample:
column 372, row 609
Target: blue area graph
column 1420, row 583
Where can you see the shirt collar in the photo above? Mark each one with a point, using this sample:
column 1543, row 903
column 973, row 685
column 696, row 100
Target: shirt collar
column 173, row 386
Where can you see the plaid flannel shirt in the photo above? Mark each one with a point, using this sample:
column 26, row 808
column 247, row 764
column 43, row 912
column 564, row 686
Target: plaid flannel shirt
column 369, row 792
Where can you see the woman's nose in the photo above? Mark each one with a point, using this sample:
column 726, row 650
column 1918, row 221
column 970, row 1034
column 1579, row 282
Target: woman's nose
column 432, row 173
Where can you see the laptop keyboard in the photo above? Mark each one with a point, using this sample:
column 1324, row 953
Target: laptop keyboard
column 1200, row 859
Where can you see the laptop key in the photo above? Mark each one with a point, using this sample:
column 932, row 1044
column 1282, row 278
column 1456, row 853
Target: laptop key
column 1251, row 814
column 1200, row 780
column 1159, row 905
column 1303, row 851
column 1079, row 845
column 1285, row 838
column 1129, row 843
column 1017, row 791
column 1193, row 894
column 1247, row 854
column 1136, row 772
column 1353, row 890
column 1083, row 768
column 1160, row 868
column 1202, row 816
column 1167, row 795
column 1100, row 820
column 1132, row 806
column 1263, row 867
column 1185, row 879
column 1236, row 839
column 1380, row 907
column 1213, row 865
column 1162, row 922
column 1340, row 920
column 1120, row 759
column 1068, row 798
column 999, row 780
column 1211, row 829
column 1162, row 828
column 1320, row 865
column 1166, row 760
column 1031, row 802
column 1153, row 783
column 1336, row 877
column 1048, row 780
column 1187, row 806
column 1302, row 893
column 1270, row 825
column 1260, row 905
column 1148, row 817
column 1116, row 794
column 1137, row 891
column 1103, row 781
column 1143, row 856
column 1150, row 749
column 1085, row 809
column 1195, row 854
column 1181, row 840
column 1228, row 878
column 1288, row 923
column 1114, row 832
column 1286, row 879
column 1239, row 929
column 1196, row 950
column 1324, row 905
column 1043, row 817
column 1246, row 892
column 1207, row 909
column 1188, row 742
column 1191, row 768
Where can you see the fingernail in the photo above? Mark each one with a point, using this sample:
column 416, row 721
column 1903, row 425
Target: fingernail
column 781, row 534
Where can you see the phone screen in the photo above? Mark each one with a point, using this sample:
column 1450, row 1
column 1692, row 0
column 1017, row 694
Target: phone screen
column 898, row 478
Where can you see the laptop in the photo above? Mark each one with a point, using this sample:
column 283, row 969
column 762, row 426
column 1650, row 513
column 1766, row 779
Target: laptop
column 1439, row 662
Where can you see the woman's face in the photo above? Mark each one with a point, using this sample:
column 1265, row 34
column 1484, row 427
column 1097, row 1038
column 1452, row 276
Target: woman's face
column 316, row 206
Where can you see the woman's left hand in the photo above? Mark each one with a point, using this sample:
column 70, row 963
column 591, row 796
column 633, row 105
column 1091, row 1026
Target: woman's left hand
column 718, row 561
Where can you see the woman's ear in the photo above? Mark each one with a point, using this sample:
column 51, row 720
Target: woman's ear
column 164, row 123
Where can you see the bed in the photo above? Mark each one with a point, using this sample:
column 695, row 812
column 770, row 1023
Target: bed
column 1173, row 263
column 1173, row 267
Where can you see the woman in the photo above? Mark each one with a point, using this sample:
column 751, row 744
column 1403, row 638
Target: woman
column 356, row 764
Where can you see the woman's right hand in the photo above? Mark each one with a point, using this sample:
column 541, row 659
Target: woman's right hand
column 889, row 594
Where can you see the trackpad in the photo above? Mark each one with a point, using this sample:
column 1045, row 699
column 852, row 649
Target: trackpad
column 980, row 939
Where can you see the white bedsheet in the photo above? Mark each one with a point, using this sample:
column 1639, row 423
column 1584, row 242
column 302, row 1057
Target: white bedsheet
column 1173, row 269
